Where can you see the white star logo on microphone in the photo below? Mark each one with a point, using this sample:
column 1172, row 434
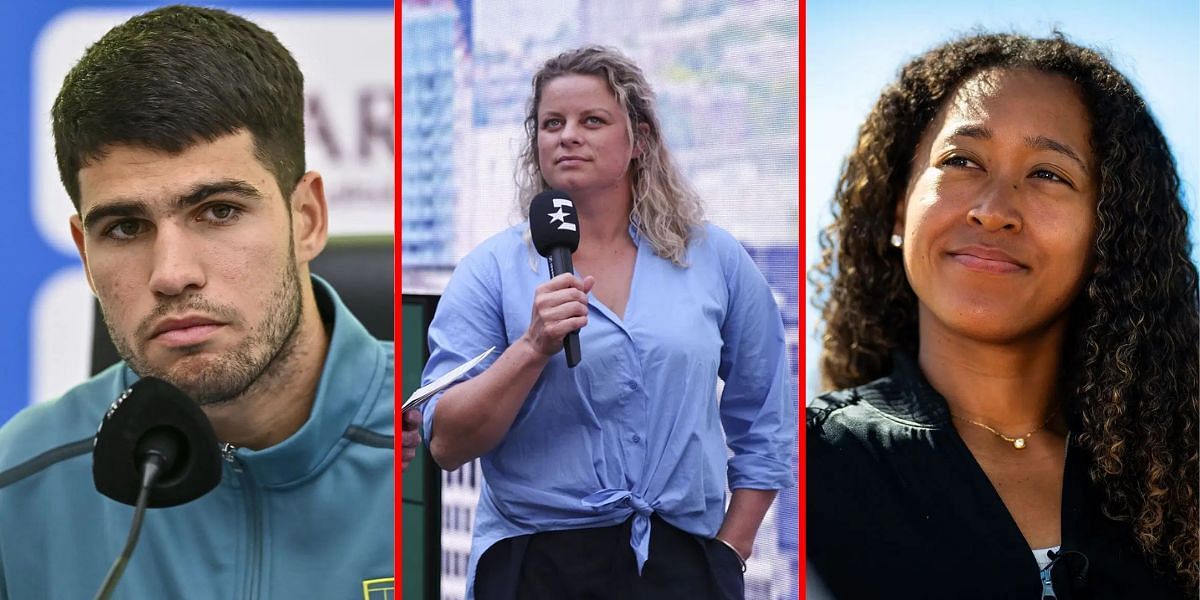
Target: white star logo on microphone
column 560, row 216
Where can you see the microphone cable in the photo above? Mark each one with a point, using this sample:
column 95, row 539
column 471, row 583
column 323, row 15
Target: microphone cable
column 150, row 472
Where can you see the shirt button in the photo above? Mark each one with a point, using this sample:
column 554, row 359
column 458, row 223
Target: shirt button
column 637, row 438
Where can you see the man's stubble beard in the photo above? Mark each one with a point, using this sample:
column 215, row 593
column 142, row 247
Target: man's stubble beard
column 265, row 351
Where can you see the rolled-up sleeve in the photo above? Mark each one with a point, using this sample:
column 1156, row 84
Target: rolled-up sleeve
column 468, row 320
column 758, row 405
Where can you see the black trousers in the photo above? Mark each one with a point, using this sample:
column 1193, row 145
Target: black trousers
column 599, row 563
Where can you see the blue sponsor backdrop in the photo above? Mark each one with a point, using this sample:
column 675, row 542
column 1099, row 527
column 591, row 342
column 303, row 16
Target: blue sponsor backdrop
column 28, row 260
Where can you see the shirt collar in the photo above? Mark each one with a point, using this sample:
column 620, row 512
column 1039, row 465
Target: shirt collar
column 635, row 232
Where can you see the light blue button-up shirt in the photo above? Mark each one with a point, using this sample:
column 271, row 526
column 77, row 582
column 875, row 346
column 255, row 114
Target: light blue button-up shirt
column 637, row 427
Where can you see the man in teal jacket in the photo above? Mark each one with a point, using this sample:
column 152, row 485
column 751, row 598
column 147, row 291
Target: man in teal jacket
column 180, row 141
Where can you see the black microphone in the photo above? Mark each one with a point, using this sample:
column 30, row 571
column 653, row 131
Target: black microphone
column 155, row 448
column 154, row 421
column 555, row 232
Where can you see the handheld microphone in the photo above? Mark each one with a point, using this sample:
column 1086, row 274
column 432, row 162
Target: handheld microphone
column 555, row 232
column 155, row 448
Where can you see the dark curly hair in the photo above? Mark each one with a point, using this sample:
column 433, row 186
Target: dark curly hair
column 1131, row 353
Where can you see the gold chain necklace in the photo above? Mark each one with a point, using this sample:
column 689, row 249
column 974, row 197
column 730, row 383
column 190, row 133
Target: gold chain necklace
column 1017, row 442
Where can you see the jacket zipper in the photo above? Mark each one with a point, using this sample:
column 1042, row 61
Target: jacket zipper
column 1047, row 584
column 254, row 515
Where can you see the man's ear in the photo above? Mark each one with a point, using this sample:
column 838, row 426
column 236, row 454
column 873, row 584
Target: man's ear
column 310, row 217
column 77, row 235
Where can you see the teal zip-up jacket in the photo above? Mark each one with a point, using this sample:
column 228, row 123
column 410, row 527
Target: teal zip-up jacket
column 308, row 518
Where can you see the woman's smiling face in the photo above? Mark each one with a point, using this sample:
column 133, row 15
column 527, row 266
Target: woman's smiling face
column 999, row 217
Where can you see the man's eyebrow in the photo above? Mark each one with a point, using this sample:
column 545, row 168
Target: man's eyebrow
column 119, row 208
column 202, row 191
column 197, row 194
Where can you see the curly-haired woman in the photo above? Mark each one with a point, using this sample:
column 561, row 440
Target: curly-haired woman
column 608, row 480
column 1010, row 314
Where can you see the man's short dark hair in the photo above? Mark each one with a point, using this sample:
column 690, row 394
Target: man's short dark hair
column 176, row 76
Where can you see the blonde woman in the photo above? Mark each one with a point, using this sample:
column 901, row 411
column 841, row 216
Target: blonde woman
column 608, row 480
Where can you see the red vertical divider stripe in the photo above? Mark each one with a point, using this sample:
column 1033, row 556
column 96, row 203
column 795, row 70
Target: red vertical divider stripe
column 805, row 326
column 397, row 291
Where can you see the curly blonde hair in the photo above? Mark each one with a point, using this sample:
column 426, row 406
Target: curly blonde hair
column 666, row 209
column 1131, row 354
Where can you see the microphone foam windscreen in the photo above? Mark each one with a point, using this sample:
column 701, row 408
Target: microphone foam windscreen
column 552, row 222
column 154, row 408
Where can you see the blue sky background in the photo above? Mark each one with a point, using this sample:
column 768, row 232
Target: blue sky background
column 854, row 49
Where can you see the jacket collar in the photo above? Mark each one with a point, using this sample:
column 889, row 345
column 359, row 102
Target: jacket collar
column 905, row 395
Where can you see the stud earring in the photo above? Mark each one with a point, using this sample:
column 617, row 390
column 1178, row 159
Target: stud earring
column 897, row 240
